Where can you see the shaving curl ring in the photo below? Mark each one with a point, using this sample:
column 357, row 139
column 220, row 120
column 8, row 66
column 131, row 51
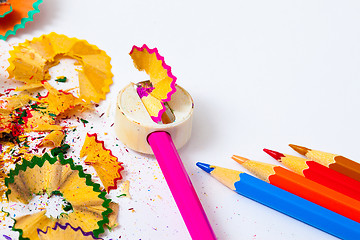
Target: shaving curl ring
column 90, row 207
column 30, row 63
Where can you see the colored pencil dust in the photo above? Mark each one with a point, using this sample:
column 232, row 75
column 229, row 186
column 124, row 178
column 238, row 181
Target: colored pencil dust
column 319, row 173
column 303, row 187
column 336, row 162
column 285, row 202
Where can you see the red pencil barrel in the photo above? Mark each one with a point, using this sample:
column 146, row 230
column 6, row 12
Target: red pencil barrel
column 332, row 179
column 316, row 193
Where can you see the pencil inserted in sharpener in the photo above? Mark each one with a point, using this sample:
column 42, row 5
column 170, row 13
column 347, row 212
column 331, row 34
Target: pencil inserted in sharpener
column 137, row 130
column 133, row 124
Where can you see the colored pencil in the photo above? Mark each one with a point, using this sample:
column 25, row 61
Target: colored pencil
column 336, row 162
column 180, row 186
column 285, row 202
column 319, row 173
column 303, row 187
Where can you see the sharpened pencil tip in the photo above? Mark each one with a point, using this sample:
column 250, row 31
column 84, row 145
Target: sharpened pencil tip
column 274, row 154
column 300, row 149
column 204, row 166
column 239, row 159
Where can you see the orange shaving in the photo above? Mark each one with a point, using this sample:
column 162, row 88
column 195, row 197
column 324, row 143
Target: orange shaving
column 5, row 8
column 22, row 12
column 105, row 164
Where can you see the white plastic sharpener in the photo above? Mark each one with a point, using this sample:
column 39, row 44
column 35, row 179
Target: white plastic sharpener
column 133, row 123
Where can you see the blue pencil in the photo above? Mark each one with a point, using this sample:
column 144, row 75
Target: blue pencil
column 285, row 202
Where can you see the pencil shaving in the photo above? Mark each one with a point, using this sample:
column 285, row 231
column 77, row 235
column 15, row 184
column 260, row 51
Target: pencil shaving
column 162, row 82
column 30, row 62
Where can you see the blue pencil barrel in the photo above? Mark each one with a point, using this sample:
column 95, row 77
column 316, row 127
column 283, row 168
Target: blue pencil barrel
column 297, row 207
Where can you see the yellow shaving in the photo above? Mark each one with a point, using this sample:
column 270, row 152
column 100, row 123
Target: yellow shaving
column 59, row 102
column 41, row 122
column 18, row 101
column 87, row 206
column 152, row 105
column 144, row 61
column 53, row 139
column 113, row 216
column 125, row 187
column 106, row 165
column 162, row 85
column 30, row 62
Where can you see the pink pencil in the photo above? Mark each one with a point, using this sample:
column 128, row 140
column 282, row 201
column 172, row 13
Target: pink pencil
column 180, row 186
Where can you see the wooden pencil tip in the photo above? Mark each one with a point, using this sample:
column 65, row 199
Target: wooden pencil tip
column 274, row 154
column 239, row 159
column 300, row 149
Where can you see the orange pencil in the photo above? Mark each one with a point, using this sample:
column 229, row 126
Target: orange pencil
column 303, row 187
column 336, row 162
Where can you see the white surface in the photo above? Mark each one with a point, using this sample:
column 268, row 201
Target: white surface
column 261, row 73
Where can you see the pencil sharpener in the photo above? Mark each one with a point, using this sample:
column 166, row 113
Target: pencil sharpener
column 133, row 124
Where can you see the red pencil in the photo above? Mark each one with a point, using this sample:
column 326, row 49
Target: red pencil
column 334, row 161
column 319, row 173
column 305, row 188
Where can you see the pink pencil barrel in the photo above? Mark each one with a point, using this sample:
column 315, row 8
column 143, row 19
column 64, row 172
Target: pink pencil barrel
column 180, row 186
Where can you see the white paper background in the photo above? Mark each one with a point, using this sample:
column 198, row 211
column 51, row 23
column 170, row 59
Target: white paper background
column 262, row 74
